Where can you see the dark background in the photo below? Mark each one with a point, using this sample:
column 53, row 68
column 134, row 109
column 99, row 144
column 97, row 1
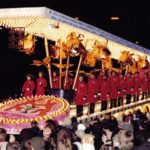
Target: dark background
column 133, row 25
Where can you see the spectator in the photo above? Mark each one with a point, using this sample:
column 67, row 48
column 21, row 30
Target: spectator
column 3, row 136
column 36, row 143
column 123, row 140
column 64, row 140
column 48, row 136
column 35, row 129
column 13, row 146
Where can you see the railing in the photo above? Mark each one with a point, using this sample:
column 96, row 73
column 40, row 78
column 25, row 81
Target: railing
column 118, row 111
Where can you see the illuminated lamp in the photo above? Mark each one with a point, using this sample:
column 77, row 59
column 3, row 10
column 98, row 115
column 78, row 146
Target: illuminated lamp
column 114, row 18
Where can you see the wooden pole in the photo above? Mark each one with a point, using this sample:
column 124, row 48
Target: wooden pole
column 49, row 66
column 77, row 72
column 124, row 101
column 60, row 62
column 67, row 70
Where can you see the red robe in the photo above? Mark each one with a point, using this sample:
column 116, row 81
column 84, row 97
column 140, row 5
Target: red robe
column 28, row 88
column 92, row 90
column 55, row 82
column 100, row 79
column 41, row 84
column 129, row 85
column 122, row 87
column 137, row 85
column 68, row 84
column 145, row 84
column 149, row 83
column 80, row 93
column 114, row 82
column 105, row 89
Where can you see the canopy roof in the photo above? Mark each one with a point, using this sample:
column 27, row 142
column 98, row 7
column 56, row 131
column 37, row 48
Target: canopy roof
column 44, row 22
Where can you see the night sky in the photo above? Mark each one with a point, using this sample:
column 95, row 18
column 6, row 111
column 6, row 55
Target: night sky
column 134, row 25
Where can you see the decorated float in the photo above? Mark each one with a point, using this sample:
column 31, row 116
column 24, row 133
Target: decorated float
column 17, row 114
column 94, row 48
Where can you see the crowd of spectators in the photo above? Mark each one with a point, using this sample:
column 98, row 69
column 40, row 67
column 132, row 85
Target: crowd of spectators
column 131, row 132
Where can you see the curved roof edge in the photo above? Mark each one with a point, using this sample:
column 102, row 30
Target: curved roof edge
column 87, row 27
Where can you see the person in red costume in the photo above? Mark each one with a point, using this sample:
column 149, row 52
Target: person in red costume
column 104, row 92
column 149, row 84
column 92, row 90
column 129, row 87
column 28, row 86
column 69, row 83
column 55, row 81
column 145, row 86
column 81, row 95
column 122, row 89
column 41, row 84
column 100, row 78
column 114, row 82
column 137, row 86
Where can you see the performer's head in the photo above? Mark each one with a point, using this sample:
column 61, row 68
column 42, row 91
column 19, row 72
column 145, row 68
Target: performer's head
column 105, row 77
column 54, row 74
column 113, row 73
column 101, row 73
column 92, row 76
column 40, row 74
column 129, row 74
column 29, row 76
column 136, row 74
column 121, row 75
column 80, row 78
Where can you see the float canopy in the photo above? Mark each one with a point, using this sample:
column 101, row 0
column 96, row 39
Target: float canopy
column 53, row 25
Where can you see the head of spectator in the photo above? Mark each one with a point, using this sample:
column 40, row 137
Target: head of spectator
column 80, row 131
column 88, row 142
column 34, row 124
column 3, row 134
column 26, row 134
column 36, row 143
column 67, row 123
column 64, row 140
column 47, row 132
column 107, row 116
column 123, row 140
column 13, row 146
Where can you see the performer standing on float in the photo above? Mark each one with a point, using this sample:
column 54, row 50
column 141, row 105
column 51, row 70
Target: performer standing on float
column 130, row 87
column 41, row 84
column 28, row 86
column 55, row 81
column 100, row 78
column 114, row 82
column 137, row 86
column 92, row 91
column 104, row 92
column 69, row 83
column 149, row 84
column 81, row 95
column 122, row 89
column 145, row 86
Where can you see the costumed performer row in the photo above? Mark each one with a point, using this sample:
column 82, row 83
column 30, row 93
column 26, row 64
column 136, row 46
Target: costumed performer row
column 114, row 89
column 29, row 85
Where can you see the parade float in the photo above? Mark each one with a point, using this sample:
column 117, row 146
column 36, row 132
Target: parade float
column 71, row 39
column 17, row 114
